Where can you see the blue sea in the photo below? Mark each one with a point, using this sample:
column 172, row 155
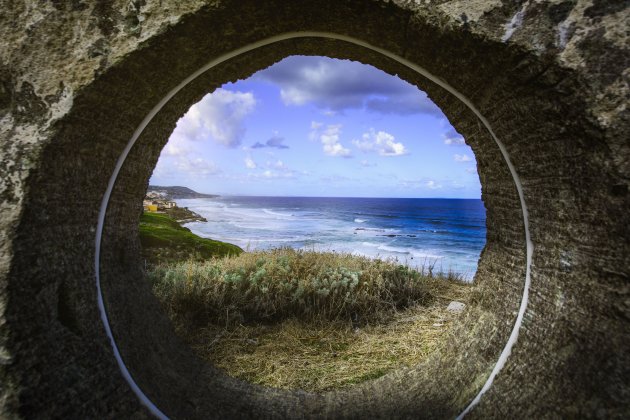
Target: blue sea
column 448, row 234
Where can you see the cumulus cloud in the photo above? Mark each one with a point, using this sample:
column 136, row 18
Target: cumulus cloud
column 218, row 116
column 275, row 141
column 462, row 158
column 454, row 141
column 313, row 135
column 381, row 142
column 336, row 85
column 453, row 138
column 192, row 167
column 176, row 146
column 316, row 125
column 277, row 170
column 367, row 164
column 277, row 165
column 432, row 185
column 329, row 138
column 249, row 163
column 197, row 166
column 268, row 171
column 419, row 183
column 472, row 170
column 271, row 174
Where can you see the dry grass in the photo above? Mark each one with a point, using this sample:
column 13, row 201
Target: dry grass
column 393, row 317
column 319, row 357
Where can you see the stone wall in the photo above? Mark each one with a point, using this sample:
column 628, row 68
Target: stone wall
column 551, row 79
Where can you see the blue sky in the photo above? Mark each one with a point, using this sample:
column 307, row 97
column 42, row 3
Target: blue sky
column 315, row 126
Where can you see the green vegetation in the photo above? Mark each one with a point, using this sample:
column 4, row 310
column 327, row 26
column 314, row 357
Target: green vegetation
column 183, row 214
column 309, row 320
column 164, row 240
column 282, row 283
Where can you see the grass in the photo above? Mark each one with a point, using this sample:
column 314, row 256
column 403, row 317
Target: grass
column 272, row 285
column 323, row 356
column 308, row 320
column 165, row 240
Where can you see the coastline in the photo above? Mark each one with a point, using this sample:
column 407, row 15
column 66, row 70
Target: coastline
column 444, row 235
column 184, row 215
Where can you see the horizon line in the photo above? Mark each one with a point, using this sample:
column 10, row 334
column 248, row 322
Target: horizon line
column 338, row 196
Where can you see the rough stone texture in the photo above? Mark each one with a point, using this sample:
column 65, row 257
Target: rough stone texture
column 551, row 77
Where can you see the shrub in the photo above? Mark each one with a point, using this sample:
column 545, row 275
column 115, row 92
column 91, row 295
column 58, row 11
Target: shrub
column 283, row 283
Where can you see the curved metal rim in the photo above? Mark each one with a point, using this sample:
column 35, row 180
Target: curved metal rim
column 272, row 40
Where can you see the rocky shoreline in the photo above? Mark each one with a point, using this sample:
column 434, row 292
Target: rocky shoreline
column 184, row 215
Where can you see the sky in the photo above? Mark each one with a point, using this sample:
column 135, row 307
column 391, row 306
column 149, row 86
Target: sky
column 322, row 127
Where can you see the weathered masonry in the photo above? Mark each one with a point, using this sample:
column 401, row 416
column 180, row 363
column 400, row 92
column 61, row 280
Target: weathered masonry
column 538, row 88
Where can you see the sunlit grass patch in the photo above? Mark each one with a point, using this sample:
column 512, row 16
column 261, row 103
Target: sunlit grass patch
column 165, row 240
column 319, row 356
column 308, row 320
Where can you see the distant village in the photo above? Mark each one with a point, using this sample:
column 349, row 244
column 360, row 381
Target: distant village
column 157, row 201
column 160, row 201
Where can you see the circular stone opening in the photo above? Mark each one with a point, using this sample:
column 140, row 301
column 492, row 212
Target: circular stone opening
column 456, row 381
column 307, row 306
column 534, row 71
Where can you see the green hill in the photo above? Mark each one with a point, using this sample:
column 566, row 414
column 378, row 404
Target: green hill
column 164, row 240
column 174, row 192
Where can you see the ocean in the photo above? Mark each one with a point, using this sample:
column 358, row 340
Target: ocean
column 447, row 234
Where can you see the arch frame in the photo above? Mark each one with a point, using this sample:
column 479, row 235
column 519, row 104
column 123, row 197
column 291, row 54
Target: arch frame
column 283, row 37
column 557, row 119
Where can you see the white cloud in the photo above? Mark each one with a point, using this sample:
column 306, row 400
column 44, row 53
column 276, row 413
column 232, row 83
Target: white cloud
column 176, row 146
column 472, row 170
column 367, row 164
column 462, row 158
column 329, row 138
column 419, row 183
column 271, row 174
column 381, row 142
column 277, row 165
column 270, row 170
column 432, row 185
column 336, row 85
column 186, row 165
column 315, row 129
column 453, row 138
column 218, row 116
column 249, row 163
column 456, row 141
column 280, row 165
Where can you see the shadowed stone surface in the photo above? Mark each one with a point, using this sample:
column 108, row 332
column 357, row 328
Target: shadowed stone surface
column 551, row 77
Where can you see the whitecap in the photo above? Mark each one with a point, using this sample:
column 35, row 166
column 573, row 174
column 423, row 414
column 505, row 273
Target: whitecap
column 274, row 213
column 371, row 244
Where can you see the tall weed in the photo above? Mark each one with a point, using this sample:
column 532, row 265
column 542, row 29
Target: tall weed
column 282, row 283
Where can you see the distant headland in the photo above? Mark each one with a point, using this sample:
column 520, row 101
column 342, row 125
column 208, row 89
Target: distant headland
column 175, row 192
column 159, row 199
